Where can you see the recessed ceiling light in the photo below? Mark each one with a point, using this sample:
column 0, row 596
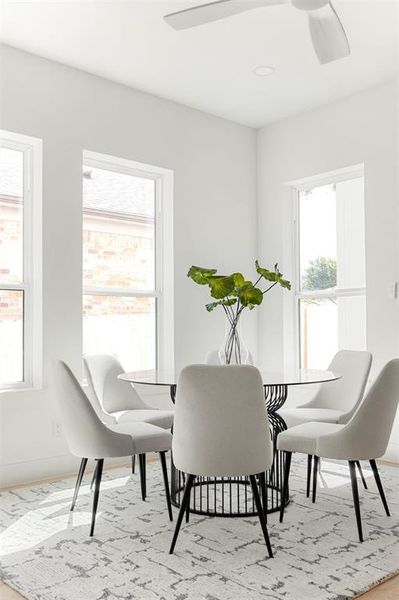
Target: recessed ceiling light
column 263, row 71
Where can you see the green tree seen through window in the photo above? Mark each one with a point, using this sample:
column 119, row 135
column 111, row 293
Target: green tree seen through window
column 321, row 274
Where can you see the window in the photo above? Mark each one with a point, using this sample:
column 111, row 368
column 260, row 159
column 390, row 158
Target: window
column 20, row 261
column 127, row 266
column 329, row 271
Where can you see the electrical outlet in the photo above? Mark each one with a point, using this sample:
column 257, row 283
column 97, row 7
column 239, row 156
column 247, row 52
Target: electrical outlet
column 393, row 290
column 57, row 429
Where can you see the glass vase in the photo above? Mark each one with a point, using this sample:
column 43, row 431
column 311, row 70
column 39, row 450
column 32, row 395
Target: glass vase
column 233, row 350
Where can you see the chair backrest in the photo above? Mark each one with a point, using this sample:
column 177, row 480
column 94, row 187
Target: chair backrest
column 213, row 358
column 346, row 393
column 113, row 395
column 221, row 426
column 367, row 434
column 105, row 417
column 86, row 435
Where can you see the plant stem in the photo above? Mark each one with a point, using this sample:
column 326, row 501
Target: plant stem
column 233, row 342
column 269, row 288
column 227, row 314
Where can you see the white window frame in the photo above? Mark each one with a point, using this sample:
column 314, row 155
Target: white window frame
column 31, row 285
column 292, row 339
column 164, row 282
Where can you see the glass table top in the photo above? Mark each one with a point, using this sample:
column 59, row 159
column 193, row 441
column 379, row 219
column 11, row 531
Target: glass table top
column 283, row 377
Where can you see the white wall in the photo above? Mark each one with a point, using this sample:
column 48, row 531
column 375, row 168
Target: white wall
column 216, row 220
column 360, row 129
column 214, row 164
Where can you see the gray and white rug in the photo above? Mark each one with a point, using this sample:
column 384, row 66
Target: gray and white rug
column 46, row 553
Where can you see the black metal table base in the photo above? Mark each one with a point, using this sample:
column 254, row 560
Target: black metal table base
column 232, row 496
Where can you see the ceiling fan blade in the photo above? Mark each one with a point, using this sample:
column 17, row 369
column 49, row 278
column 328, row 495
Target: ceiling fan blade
column 328, row 35
column 213, row 11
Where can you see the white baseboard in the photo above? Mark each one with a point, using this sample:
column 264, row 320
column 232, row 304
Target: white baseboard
column 33, row 470
column 392, row 453
column 52, row 467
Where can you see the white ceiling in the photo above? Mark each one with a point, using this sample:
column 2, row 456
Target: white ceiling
column 210, row 67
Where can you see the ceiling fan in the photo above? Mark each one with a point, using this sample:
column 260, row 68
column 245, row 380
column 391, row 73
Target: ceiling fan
column 326, row 30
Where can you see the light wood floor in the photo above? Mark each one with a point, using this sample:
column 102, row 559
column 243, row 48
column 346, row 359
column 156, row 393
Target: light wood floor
column 389, row 590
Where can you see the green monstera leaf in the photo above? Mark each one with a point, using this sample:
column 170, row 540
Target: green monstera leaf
column 247, row 285
column 221, row 286
column 250, row 296
column 285, row 283
column 239, row 279
column 212, row 305
column 200, row 275
column 274, row 276
column 228, row 290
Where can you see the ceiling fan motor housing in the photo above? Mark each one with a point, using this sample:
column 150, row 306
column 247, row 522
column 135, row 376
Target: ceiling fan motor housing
column 309, row 4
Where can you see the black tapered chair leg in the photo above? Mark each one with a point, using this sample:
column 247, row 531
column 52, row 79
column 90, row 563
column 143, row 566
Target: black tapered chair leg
column 284, row 493
column 143, row 479
column 309, row 475
column 263, row 490
column 315, row 472
column 186, row 496
column 359, row 468
column 133, row 463
column 261, row 515
column 166, row 483
column 79, row 478
column 274, row 458
column 99, row 472
column 188, row 507
column 376, row 474
column 355, row 493
column 93, row 478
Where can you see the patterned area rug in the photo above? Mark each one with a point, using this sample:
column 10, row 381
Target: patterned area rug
column 47, row 554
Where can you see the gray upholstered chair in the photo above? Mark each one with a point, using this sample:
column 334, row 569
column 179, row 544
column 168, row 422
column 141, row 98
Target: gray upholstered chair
column 364, row 437
column 119, row 399
column 335, row 401
column 117, row 402
column 218, row 434
column 89, row 438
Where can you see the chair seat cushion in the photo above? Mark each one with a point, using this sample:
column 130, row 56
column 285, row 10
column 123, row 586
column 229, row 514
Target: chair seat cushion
column 161, row 418
column 303, row 438
column 297, row 416
column 146, row 437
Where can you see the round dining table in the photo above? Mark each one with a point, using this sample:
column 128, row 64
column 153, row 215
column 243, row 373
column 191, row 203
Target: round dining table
column 231, row 496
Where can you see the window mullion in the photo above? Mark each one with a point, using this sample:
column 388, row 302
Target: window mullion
column 14, row 286
column 336, row 293
column 94, row 291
